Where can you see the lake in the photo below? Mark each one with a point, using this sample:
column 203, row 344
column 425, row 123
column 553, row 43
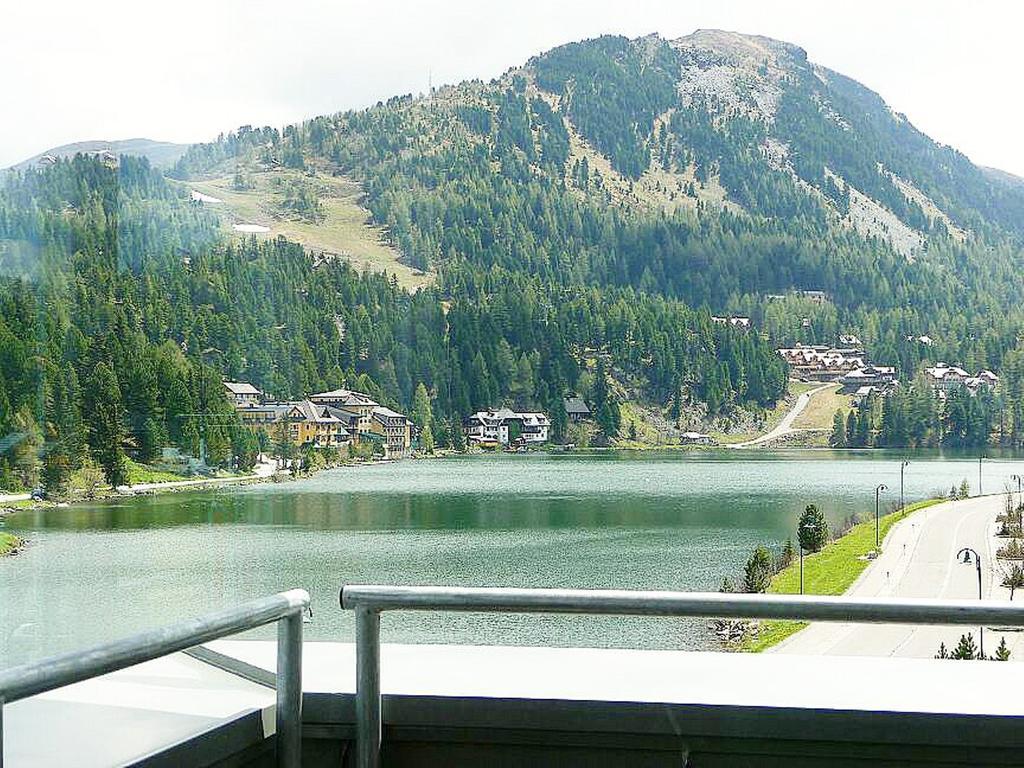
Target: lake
column 673, row 520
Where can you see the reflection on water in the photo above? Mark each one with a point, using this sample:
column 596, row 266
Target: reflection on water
column 675, row 521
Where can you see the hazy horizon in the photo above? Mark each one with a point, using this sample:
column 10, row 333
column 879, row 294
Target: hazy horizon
column 188, row 72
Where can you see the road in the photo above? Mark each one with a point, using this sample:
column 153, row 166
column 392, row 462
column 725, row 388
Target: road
column 785, row 427
column 919, row 560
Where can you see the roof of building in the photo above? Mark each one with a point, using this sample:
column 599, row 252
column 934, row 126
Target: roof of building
column 241, row 388
column 942, row 370
column 310, row 411
column 341, row 413
column 574, row 404
column 345, row 396
column 386, row 413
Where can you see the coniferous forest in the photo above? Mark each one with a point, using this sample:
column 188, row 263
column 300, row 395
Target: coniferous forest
column 583, row 221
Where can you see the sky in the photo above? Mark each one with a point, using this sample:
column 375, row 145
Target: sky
column 189, row 69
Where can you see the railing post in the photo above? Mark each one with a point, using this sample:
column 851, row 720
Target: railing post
column 1, row 732
column 289, row 691
column 368, row 701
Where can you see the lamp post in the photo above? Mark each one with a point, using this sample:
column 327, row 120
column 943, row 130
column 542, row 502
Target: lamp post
column 979, row 473
column 1020, row 497
column 903, row 465
column 801, row 569
column 881, row 487
column 964, row 556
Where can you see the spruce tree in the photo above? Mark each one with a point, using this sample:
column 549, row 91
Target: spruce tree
column 105, row 420
column 812, row 531
column 838, row 437
column 757, row 574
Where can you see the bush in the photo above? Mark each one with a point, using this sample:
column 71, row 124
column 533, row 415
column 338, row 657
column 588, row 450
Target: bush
column 1012, row 550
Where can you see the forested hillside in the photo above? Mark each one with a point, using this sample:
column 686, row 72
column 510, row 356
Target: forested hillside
column 122, row 308
column 585, row 215
column 720, row 169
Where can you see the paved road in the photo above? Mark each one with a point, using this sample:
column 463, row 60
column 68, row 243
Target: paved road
column 918, row 560
column 785, row 426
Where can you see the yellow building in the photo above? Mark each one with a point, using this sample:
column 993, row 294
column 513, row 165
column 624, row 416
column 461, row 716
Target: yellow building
column 306, row 423
column 349, row 400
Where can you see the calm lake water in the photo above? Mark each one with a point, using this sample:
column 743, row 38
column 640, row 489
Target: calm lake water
column 615, row 520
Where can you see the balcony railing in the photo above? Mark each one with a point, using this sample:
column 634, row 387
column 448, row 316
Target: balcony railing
column 285, row 608
column 369, row 602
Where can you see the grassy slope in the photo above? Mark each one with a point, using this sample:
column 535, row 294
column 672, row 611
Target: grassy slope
column 774, row 416
column 8, row 543
column 346, row 230
column 822, row 408
column 140, row 473
column 831, row 571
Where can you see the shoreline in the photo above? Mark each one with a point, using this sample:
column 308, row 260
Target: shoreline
column 189, row 484
column 836, row 569
column 10, row 545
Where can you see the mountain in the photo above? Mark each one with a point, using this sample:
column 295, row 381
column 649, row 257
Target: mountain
column 583, row 219
column 161, row 154
column 720, row 169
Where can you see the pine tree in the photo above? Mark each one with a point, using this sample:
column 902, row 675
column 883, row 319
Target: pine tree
column 1002, row 652
column 427, row 439
column 838, row 437
column 965, row 649
column 422, row 415
column 851, row 429
column 812, row 532
column 105, row 419
column 606, row 407
column 758, row 572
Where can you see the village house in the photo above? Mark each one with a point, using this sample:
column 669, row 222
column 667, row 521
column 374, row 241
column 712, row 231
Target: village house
column 394, row 427
column 242, row 393
column 350, row 400
column 576, row 409
column 311, row 424
column 735, row 322
column 881, row 377
column 305, row 423
column 821, row 363
column 335, row 418
column 695, row 438
column 944, row 378
column 262, row 414
column 507, row 427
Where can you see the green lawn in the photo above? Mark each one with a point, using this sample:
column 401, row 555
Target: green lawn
column 140, row 473
column 831, row 571
column 8, row 543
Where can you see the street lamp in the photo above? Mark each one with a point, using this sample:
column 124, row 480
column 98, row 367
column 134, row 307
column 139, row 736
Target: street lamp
column 964, row 556
column 881, row 487
column 979, row 473
column 903, row 466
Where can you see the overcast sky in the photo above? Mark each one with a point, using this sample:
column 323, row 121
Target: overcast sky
column 189, row 69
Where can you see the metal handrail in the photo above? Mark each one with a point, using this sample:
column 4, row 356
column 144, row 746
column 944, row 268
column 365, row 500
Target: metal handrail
column 285, row 608
column 369, row 602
